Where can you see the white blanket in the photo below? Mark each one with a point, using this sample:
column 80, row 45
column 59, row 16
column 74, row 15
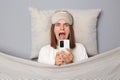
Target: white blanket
column 105, row 66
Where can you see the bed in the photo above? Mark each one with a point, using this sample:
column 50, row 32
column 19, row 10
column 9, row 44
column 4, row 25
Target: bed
column 105, row 66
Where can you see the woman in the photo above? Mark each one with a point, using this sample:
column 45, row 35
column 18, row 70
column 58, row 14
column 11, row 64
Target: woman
column 62, row 29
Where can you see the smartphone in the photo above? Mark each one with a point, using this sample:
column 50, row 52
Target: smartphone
column 64, row 44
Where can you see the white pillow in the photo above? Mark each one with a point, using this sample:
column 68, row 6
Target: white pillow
column 84, row 27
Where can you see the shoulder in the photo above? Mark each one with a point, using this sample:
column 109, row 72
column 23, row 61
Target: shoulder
column 48, row 47
column 79, row 47
column 44, row 51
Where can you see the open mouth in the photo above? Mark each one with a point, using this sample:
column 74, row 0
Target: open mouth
column 62, row 35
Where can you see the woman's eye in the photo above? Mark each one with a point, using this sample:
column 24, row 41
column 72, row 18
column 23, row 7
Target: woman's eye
column 57, row 24
column 67, row 25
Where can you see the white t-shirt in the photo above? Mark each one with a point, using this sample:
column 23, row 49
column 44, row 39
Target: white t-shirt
column 47, row 54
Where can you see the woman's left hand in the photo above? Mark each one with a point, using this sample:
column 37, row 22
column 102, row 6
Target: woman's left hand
column 67, row 56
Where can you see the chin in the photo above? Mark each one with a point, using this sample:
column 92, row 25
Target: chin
column 62, row 39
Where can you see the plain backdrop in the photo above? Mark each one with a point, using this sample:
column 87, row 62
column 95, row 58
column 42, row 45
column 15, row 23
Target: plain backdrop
column 15, row 22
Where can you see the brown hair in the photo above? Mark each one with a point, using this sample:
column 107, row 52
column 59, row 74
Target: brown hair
column 71, row 37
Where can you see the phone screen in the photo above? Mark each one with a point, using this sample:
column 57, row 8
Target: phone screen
column 61, row 43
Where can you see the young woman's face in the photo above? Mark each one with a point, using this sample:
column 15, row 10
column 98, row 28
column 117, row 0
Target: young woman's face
column 61, row 30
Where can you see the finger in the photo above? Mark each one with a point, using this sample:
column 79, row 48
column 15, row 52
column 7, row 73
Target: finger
column 59, row 57
column 59, row 62
column 62, row 52
column 71, row 56
column 57, row 54
column 64, row 56
column 67, row 60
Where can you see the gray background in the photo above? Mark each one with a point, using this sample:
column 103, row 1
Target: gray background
column 15, row 24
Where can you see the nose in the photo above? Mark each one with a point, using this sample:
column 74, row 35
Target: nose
column 62, row 27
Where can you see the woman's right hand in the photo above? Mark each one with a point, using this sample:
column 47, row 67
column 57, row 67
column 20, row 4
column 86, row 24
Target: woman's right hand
column 59, row 59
